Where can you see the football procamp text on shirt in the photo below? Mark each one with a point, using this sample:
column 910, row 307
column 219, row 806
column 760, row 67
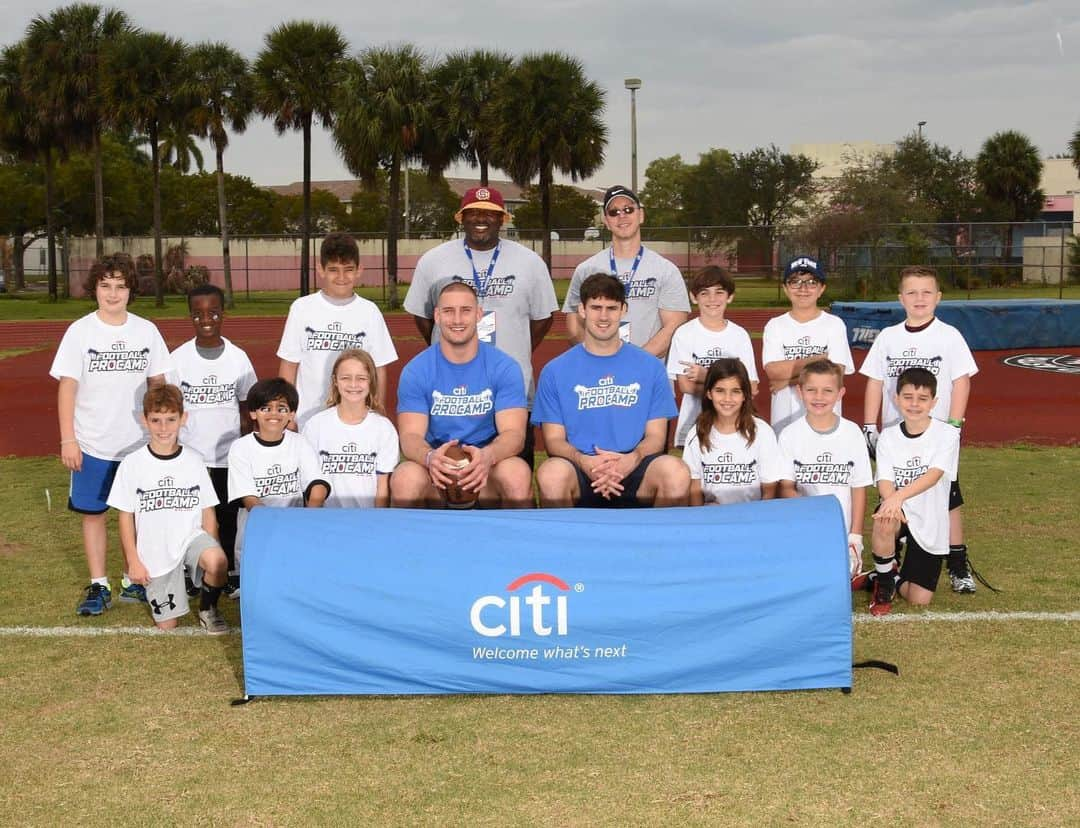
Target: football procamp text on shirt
column 460, row 399
column 518, row 291
column 732, row 471
column 167, row 495
column 111, row 364
column 693, row 342
column 939, row 348
column 824, row 463
column 603, row 402
column 352, row 456
column 657, row 285
column 213, row 390
column 785, row 338
column 317, row 330
column 902, row 459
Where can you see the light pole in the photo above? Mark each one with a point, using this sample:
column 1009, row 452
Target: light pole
column 920, row 125
column 633, row 84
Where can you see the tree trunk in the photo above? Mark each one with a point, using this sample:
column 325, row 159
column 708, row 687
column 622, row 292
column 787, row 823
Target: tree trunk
column 483, row 170
column 99, row 195
column 305, row 242
column 159, row 273
column 545, row 212
column 18, row 251
column 393, row 216
column 50, row 229
column 223, row 227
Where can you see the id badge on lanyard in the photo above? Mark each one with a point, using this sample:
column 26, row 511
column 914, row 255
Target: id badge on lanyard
column 624, row 330
column 486, row 327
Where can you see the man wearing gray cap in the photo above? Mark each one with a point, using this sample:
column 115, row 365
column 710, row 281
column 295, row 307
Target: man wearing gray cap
column 656, row 294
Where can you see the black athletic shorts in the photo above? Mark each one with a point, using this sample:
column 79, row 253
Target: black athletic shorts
column 919, row 566
column 956, row 499
column 626, row 500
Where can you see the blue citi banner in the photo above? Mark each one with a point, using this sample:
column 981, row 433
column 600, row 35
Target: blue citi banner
column 690, row 600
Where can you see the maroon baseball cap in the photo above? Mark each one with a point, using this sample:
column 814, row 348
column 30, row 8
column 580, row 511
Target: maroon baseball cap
column 481, row 198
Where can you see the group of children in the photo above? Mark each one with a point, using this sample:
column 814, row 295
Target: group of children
column 221, row 443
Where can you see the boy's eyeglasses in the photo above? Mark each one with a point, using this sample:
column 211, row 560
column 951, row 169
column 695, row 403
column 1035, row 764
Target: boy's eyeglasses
column 628, row 210
column 213, row 316
column 798, row 284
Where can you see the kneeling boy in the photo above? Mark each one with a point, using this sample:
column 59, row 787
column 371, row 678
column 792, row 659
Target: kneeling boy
column 826, row 454
column 166, row 504
column 916, row 465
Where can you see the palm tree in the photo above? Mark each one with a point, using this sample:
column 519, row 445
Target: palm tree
column 464, row 84
column 1008, row 169
column 179, row 148
column 66, row 50
column 546, row 117
column 225, row 97
column 382, row 111
column 28, row 130
column 295, row 76
column 143, row 82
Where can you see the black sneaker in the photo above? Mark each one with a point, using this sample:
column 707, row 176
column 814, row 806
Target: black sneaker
column 884, row 592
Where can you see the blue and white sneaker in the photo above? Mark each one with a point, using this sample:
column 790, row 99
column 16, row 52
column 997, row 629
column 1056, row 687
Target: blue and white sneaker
column 98, row 599
column 133, row 593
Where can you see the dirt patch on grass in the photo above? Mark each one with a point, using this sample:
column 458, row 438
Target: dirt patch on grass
column 8, row 549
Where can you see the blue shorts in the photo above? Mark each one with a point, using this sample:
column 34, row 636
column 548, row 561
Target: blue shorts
column 627, row 500
column 90, row 486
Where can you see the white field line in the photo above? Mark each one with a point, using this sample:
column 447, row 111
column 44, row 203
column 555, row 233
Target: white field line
column 859, row 618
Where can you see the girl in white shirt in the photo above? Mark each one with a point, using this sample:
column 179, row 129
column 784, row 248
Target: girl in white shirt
column 356, row 444
column 732, row 454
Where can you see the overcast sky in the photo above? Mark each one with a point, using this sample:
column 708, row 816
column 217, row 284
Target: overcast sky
column 736, row 74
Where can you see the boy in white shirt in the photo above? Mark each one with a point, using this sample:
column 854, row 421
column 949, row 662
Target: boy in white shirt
column 214, row 376
column 924, row 341
column 104, row 364
column 166, row 504
column 323, row 324
column 804, row 333
column 916, row 465
column 697, row 344
column 826, row 454
column 273, row 466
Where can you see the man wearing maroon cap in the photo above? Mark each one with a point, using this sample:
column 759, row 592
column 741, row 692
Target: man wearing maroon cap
column 517, row 297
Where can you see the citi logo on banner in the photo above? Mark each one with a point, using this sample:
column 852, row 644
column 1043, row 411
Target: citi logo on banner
column 495, row 615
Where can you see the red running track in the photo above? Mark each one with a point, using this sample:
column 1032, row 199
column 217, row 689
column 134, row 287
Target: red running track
column 1008, row 404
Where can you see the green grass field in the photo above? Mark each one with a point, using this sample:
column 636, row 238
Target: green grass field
column 980, row 728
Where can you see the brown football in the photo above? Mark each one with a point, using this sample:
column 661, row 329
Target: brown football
column 456, row 497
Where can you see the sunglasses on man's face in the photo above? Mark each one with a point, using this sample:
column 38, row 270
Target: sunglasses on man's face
column 628, row 210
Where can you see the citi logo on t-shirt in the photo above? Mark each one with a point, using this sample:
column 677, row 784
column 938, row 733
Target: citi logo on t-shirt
column 118, row 359
column 802, row 348
column 607, row 394
column 895, row 366
column 209, row 392
column 709, row 357
column 168, row 496
column 347, row 461
column 912, row 470
column 728, row 473
column 461, row 403
column 824, row 470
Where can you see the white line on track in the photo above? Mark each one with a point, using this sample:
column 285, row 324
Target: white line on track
column 858, row 618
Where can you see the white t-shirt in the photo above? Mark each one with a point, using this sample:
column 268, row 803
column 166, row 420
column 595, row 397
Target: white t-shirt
column 939, row 347
column 693, row 342
column 518, row 291
column 277, row 473
column 352, row 456
column 732, row 471
column 785, row 338
column 902, row 459
column 824, row 463
column 111, row 363
column 657, row 285
column 167, row 495
column 213, row 390
column 317, row 330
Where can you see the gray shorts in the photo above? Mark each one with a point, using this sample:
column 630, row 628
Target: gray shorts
column 165, row 594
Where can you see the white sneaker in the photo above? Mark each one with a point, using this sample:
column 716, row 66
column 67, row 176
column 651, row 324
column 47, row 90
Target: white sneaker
column 212, row 622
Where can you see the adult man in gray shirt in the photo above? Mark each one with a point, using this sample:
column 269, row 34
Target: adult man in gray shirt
column 656, row 294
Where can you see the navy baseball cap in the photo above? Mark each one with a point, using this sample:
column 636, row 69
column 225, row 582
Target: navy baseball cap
column 804, row 264
column 618, row 191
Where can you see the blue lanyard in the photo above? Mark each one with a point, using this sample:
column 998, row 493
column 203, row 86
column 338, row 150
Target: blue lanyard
column 633, row 269
column 478, row 283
